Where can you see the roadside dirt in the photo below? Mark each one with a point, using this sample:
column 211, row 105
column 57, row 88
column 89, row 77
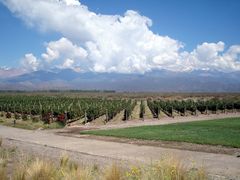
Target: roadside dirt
column 165, row 144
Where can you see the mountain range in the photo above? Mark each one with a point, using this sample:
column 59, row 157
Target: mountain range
column 154, row 81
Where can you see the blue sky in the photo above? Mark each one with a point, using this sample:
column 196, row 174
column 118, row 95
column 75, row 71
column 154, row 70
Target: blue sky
column 187, row 21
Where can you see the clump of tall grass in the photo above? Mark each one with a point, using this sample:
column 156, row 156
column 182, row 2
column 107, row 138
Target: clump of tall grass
column 39, row 169
column 3, row 174
column 36, row 170
column 113, row 172
column 168, row 169
column 3, row 161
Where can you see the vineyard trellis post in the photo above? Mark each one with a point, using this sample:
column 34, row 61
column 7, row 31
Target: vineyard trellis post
column 85, row 117
column 196, row 114
column 107, row 115
column 65, row 117
column 14, row 111
column 184, row 110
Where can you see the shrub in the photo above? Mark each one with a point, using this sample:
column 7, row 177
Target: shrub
column 8, row 115
column 47, row 117
column 36, row 118
column 17, row 116
column 24, row 117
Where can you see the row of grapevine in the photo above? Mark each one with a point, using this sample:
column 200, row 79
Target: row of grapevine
column 128, row 109
column 62, row 108
column 184, row 106
column 142, row 109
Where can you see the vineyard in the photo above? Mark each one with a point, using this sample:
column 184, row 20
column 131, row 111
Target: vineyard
column 192, row 107
column 66, row 109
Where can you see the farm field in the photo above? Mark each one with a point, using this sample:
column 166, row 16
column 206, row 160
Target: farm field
column 56, row 110
column 225, row 132
column 185, row 118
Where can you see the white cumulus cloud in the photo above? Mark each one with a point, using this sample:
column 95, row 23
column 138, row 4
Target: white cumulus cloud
column 113, row 43
column 59, row 53
column 30, row 62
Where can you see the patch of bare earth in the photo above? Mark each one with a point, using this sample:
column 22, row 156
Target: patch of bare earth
column 161, row 121
column 166, row 144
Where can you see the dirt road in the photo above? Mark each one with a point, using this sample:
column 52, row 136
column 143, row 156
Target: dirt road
column 90, row 150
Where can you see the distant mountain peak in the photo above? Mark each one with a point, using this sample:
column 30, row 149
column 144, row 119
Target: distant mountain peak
column 157, row 80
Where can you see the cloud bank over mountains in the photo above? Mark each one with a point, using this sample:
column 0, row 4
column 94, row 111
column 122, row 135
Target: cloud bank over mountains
column 112, row 43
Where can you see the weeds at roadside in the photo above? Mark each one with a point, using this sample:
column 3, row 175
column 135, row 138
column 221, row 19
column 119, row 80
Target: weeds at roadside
column 113, row 172
column 27, row 167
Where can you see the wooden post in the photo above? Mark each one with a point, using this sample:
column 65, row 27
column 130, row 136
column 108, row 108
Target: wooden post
column 126, row 115
column 51, row 116
column 65, row 117
column 85, row 117
column 106, row 115
column 216, row 108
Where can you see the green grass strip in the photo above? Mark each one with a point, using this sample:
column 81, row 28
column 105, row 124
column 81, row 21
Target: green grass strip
column 225, row 132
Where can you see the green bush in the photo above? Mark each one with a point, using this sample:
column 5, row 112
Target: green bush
column 24, row 117
column 8, row 115
column 17, row 116
column 36, row 119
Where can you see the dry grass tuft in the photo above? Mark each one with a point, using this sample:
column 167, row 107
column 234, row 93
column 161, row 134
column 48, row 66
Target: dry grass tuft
column 41, row 170
column 35, row 170
column 3, row 174
column 172, row 169
column 113, row 172
column 4, row 155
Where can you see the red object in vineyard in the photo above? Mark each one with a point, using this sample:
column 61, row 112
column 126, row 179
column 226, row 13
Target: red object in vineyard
column 61, row 118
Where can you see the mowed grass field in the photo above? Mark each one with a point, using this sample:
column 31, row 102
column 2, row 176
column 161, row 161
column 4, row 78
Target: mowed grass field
column 225, row 132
